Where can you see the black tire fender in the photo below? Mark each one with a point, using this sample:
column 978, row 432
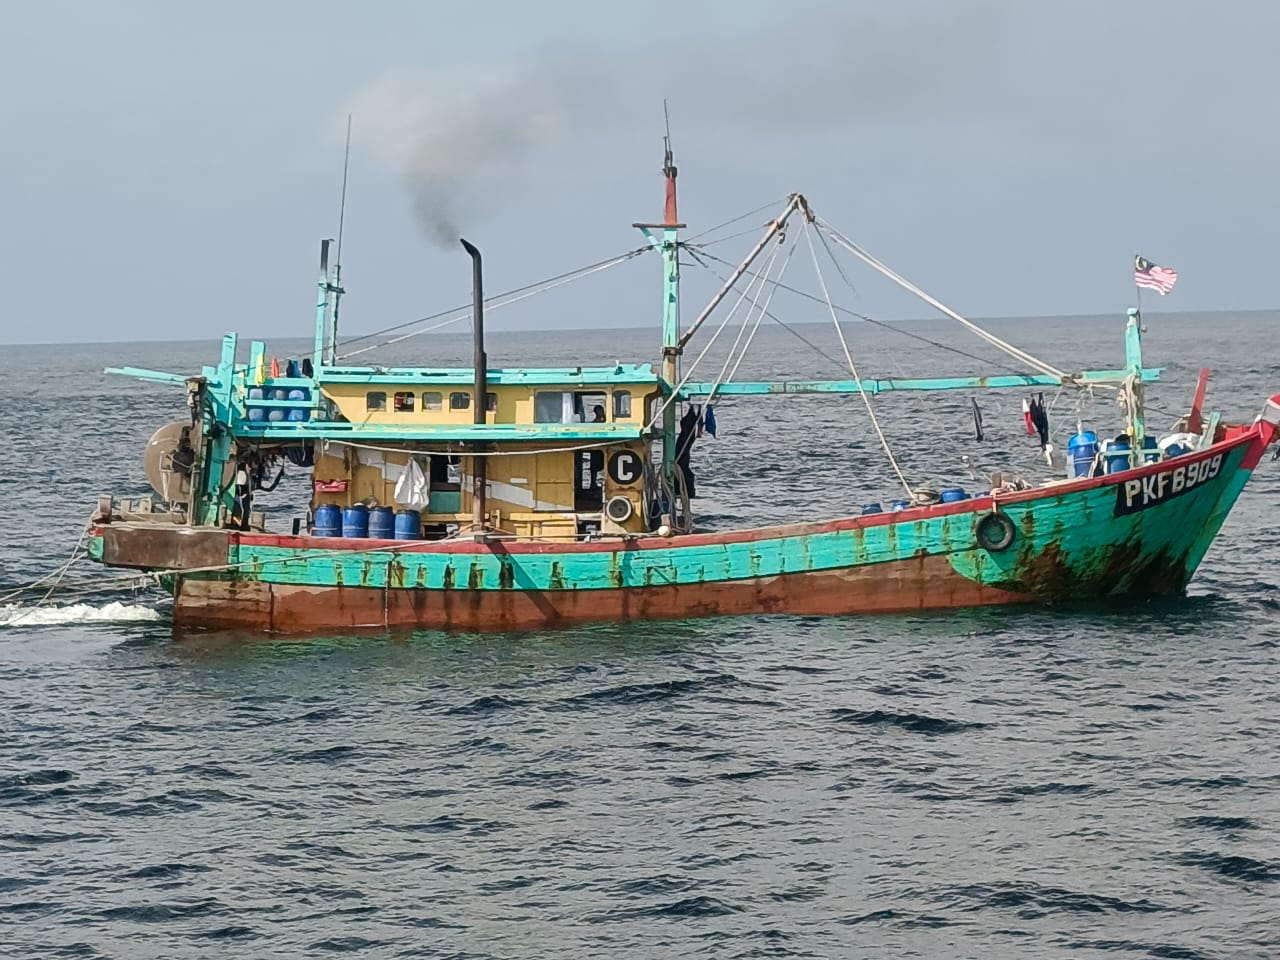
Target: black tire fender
column 996, row 532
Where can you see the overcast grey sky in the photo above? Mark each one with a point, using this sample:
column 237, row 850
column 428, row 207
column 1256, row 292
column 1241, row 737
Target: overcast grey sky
column 169, row 168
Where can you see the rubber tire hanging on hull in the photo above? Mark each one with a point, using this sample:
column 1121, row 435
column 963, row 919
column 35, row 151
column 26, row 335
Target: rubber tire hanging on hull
column 995, row 532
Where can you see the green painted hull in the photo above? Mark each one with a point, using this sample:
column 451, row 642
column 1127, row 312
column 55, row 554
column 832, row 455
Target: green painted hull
column 1140, row 533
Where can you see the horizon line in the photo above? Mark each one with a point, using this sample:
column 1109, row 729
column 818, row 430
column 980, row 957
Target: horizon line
column 499, row 329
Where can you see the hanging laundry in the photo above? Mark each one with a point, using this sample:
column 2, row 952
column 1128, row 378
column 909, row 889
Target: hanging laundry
column 977, row 419
column 1026, row 416
column 1040, row 419
column 275, row 368
column 709, row 419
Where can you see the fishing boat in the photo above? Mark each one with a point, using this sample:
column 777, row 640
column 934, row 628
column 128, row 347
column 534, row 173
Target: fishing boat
column 499, row 499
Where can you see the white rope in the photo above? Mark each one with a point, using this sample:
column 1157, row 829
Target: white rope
column 852, row 367
column 990, row 338
column 746, row 325
column 501, row 302
column 57, row 576
column 763, row 310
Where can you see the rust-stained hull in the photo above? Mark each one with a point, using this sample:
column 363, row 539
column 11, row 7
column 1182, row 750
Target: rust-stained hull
column 914, row 584
column 1140, row 533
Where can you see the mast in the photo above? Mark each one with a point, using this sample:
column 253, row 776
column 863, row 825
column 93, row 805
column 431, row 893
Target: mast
column 479, row 401
column 672, row 347
column 322, row 306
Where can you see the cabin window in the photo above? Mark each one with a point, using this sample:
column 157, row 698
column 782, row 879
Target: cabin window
column 491, row 402
column 622, row 404
column 375, row 400
column 590, row 408
column 403, row 402
column 549, row 407
column 432, row 401
column 459, row 401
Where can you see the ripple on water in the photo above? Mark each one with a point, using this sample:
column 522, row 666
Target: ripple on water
column 911, row 722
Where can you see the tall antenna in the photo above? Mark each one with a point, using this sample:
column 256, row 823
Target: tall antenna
column 342, row 204
column 337, row 266
column 666, row 140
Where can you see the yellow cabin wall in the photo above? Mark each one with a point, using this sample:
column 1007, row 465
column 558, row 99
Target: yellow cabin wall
column 546, row 511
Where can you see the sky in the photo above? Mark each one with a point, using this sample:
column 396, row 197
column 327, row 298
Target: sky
column 169, row 169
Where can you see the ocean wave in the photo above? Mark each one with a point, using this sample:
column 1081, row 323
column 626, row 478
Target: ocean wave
column 17, row 615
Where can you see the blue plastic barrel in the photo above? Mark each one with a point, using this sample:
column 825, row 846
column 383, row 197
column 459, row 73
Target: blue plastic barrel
column 1081, row 449
column 296, row 415
column 256, row 414
column 1117, row 453
column 382, row 523
column 355, row 521
column 896, row 505
column 1150, row 450
column 952, row 494
column 279, row 393
column 275, row 415
column 328, row 521
column 408, row 525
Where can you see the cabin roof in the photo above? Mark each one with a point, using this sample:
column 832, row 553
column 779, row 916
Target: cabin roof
column 618, row 375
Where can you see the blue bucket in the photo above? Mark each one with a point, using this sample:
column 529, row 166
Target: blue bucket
column 355, row 521
column 328, row 521
column 382, row 523
column 1081, row 449
column 1150, row 450
column 871, row 508
column 408, row 525
column 953, row 494
column 1117, row 453
column 896, row 505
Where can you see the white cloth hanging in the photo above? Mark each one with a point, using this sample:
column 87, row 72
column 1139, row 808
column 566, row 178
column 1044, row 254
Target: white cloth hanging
column 411, row 488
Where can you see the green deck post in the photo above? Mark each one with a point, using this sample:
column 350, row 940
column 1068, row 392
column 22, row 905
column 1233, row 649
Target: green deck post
column 322, row 307
column 1133, row 366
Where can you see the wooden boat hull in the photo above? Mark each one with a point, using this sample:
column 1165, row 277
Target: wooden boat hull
column 1140, row 533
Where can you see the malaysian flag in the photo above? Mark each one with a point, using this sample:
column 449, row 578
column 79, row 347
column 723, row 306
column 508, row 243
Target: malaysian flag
column 1147, row 274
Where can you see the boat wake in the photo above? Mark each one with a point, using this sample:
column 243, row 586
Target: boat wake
column 20, row 615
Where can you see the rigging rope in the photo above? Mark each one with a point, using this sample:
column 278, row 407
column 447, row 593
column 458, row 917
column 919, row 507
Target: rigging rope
column 722, row 379
column 906, row 284
column 498, row 300
column 744, row 294
column 852, row 367
column 772, row 204
column 896, row 328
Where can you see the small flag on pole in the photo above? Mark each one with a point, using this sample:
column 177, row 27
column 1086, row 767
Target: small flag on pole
column 1147, row 274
